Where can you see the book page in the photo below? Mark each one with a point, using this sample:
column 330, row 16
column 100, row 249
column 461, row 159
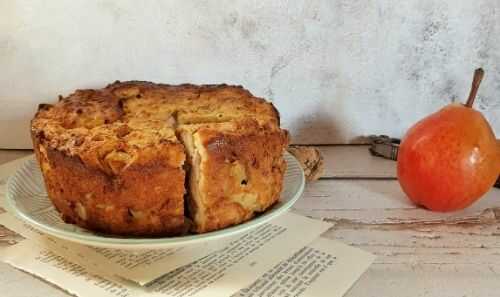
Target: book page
column 237, row 265
column 323, row 268
column 145, row 266
column 69, row 276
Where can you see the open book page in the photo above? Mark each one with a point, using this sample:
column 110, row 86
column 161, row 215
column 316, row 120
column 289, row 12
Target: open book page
column 69, row 276
column 285, row 235
column 238, row 264
column 323, row 268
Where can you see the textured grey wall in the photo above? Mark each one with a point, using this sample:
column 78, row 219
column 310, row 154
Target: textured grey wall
column 335, row 69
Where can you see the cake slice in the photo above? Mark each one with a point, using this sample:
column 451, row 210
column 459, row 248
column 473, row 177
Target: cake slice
column 236, row 171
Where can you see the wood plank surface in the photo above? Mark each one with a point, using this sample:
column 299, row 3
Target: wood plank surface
column 382, row 201
column 355, row 161
column 419, row 253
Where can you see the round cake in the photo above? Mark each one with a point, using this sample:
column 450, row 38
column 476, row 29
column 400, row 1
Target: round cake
column 145, row 159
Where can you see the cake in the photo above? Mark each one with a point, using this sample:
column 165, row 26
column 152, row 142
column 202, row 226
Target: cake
column 144, row 159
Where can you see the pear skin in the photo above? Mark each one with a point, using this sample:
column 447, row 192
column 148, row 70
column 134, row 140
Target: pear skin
column 450, row 159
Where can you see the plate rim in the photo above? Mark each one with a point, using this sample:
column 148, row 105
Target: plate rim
column 160, row 242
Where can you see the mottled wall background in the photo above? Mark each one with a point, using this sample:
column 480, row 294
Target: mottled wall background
column 335, row 69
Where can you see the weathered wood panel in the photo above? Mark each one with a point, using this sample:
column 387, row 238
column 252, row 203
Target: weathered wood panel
column 348, row 161
column 382, row 201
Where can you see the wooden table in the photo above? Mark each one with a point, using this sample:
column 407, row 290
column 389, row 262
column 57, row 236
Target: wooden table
column 420, row 253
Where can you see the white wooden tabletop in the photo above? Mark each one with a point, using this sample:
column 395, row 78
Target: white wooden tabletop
column 419, row 253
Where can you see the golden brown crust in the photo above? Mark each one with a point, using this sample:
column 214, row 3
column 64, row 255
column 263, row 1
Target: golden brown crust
column 143, row 200
column 112, row 161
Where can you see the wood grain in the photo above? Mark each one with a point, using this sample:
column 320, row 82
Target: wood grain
column 354, row 161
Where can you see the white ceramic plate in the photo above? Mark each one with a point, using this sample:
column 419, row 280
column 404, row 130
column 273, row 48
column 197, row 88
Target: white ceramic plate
column 28, row 199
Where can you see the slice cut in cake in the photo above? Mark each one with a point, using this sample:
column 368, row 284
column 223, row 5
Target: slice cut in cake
column 236, row 171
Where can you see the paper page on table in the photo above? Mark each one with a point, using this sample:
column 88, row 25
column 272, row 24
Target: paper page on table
column 323, row 268
column 239, row 264
column 69, row 276
column 281, row 237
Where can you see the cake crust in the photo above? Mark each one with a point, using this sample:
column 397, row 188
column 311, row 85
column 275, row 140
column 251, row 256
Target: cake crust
column 142, row 200
column 113, row 159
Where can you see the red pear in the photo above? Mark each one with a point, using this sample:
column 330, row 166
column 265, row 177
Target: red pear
column 451, row 158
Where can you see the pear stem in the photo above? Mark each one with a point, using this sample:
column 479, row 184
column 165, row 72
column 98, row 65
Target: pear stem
column 476, row 81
